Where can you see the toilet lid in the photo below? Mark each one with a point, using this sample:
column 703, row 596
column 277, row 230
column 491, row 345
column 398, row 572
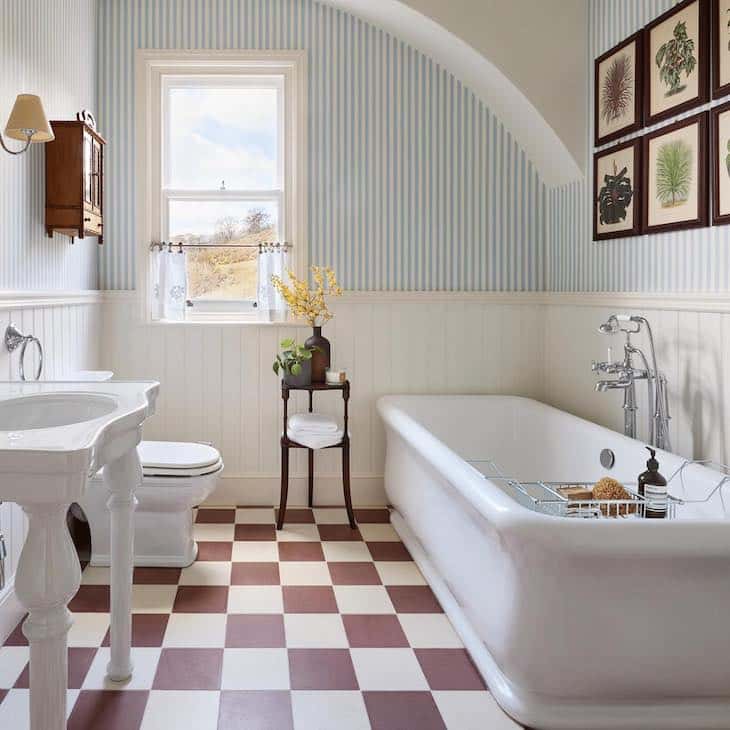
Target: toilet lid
column 177, row 457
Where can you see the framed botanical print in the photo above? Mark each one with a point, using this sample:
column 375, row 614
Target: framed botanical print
column 677, row 61
column 617, row 191
column 618, row 90
column 675, row 176
column 720, row 48
column 720, row 161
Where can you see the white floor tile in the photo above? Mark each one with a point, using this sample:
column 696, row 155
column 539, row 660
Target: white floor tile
column 213, row 533
column 429, row 631
column 96, row 576
column 388, row 669
column 298, row 533
column 363, row 599
column 12, row 662
column 330, row 515
column 399, row 573
column 378, row 533
column 199, row 630
column 255, row 599
column 308, row 573
column 329, row 711
column 181, row 710
column 144, row 660
column 88, row 629
column 255, row 669
column 315, row 631
column 206, row 573
column 472, row 711
column 255, row 516
column 346, row 552
column 253, row 551
column 153, row 599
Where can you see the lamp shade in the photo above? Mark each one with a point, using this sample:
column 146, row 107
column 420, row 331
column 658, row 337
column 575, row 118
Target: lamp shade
column 27, row 115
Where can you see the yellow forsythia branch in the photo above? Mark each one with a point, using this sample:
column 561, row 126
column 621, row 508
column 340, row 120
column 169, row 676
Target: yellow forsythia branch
column 305, row 303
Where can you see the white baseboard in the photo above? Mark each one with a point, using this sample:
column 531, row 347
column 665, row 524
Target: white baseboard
column 10, row 611
column 262, row 490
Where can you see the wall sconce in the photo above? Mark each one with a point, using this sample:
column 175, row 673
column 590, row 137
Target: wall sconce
column 27, row 122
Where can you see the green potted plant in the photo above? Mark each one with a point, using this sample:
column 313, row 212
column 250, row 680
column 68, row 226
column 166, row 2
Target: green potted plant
column 294, row 363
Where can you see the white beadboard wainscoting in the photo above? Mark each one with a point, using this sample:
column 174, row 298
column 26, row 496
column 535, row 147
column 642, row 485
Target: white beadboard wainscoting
column 68, row 325
column 218, row 385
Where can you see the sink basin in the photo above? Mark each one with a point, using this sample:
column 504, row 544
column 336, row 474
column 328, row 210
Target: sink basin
column 50, row 410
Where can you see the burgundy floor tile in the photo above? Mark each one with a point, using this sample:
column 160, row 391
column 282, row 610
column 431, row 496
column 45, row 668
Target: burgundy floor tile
column 264, row 710
column 16, row 637
column 309, row 599
column 403, row 711
column 3, row 692
column 255, row 574
column 414, row 599
column 374, row 631
column 220, row 551
column 255, row 532
column 389, row 551
column 201, row 599
column 449, row 669
column 108, row 710
column 369, row 516
column 339, row 533
column 321, row 669
column 79, row 661
column 157, row 576
column 298, row 516
column 262, row 631
column 300, row 551
column 216, row 516
column 148, row 629
column 354, row 574
column 189, row 669
column 90, row 599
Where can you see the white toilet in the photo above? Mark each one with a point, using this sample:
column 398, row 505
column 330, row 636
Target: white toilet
column 177, row 477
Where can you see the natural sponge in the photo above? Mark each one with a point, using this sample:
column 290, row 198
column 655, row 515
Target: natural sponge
column 609, row 488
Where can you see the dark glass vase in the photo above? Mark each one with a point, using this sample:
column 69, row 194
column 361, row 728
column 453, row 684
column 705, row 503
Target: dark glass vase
column 321, row 356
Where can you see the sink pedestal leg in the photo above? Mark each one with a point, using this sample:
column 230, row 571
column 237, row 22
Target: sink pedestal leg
column 48, row 577
column 122, row 476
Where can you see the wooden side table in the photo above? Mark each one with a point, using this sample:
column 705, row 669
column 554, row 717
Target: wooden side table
column 287, row 443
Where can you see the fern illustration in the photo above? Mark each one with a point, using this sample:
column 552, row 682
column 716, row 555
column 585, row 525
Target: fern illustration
column 673, row 173
column 616, row 90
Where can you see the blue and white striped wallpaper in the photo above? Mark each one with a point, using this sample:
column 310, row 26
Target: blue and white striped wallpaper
column 695, row 260
column 49, row 49
column 413, row 182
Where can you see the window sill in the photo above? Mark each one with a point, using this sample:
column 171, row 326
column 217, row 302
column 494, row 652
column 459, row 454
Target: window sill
column 220, row 319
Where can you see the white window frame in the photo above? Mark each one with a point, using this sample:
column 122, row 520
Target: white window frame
column 152, row 68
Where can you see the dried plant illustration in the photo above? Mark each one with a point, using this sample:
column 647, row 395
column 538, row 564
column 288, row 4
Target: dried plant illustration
column 615, row 196
column 673, row 173
column 617, row 89
column 674, row 57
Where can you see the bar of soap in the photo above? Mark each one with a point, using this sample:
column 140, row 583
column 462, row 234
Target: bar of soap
column 576, row 493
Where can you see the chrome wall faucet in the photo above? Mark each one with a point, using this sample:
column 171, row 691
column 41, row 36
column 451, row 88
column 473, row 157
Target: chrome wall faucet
column 627, row 375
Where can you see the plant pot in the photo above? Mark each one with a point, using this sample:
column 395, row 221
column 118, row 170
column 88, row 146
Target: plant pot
column 303, row 378
column 321, row 356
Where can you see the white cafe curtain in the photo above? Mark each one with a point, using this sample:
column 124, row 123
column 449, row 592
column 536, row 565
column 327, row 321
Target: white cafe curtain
column 169, row 284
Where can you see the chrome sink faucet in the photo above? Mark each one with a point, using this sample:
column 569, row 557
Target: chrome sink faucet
column 626, row 375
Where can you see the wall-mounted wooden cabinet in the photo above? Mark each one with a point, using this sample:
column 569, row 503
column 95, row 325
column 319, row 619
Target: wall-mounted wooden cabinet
column 75, row 181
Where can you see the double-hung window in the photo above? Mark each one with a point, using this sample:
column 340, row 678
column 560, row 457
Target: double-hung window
column 222, row 156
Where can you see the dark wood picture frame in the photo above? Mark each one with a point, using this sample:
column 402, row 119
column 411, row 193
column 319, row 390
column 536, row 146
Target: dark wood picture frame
column 703, row 207
column 717, row 218
column 703, row 63
column 638, row 196
column 718, row 90
column 638, row 39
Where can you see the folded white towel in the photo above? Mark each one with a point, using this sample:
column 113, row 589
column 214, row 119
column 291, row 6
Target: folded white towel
column 313, row 423
column 315, row 440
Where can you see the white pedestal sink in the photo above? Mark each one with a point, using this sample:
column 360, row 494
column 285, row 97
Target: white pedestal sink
column 52, row 437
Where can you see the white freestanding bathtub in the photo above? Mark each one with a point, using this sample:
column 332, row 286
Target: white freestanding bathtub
column 574, row 623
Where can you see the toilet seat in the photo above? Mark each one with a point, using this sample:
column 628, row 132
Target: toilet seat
column 177, row 459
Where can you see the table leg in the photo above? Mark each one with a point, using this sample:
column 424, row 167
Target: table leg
column 346, row 483
column 48, row 576
column 310, row 474
column 122, row 476
column 284, row 486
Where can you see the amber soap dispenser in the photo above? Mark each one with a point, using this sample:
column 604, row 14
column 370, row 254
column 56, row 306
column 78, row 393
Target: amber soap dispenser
column 653, row 488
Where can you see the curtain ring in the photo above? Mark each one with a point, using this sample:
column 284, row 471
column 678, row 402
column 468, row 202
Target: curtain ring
column 39, row 369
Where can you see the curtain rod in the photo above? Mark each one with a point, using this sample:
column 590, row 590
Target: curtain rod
column 180, row 245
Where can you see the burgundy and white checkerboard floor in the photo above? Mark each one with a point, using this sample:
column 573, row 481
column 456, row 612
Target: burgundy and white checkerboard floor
column 315, row 628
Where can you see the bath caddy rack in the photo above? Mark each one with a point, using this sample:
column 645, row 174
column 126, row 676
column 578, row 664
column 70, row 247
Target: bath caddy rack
column 548, row 497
